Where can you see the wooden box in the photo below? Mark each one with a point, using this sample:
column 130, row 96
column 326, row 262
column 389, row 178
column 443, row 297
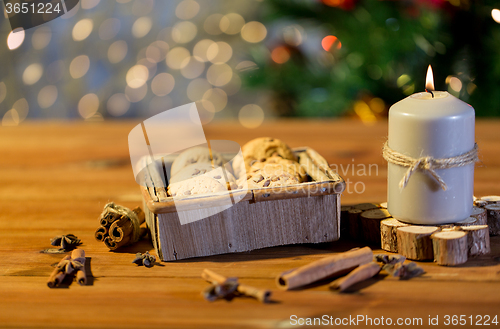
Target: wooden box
column 304, row 213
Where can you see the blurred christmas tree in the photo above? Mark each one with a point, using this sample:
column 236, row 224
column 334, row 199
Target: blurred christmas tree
column 326, row 57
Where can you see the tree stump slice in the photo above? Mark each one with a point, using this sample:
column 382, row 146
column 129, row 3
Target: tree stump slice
column 370, row 224
column 480, row 214
column 490, row 199
column 478, row 240
column 354, row 223
column 344, row 220
column 469, row 221
column 493, row 213
column 389, row 234
column 450, row 247
column 366, row 206
column 414, row 242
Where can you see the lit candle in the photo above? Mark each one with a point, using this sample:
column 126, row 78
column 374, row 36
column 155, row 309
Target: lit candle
column 426, row 127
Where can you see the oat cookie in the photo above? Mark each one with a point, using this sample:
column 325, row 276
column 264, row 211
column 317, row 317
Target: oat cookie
column 194, row 186
column 198, row 169
column 197, row 154
column 275, row 163
column 275, row 179
column 261, row 149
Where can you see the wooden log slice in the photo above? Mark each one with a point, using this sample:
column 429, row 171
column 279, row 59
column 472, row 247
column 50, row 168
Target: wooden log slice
column 478, row 239
column 467, row 222
column 480, row 214
column 366, row 206
column 388, row 234
column 354, row 230
column 344, row 220
column 450, row 247
column 490, row 199
column 414, row 242
column 370, row 224
column 493, row 218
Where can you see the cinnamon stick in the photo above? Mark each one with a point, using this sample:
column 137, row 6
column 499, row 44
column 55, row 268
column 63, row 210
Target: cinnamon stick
column 324, row 268
column 361, row 273
column 58, row 274
column 217, row 279
column 78, row 255
column 100, row 233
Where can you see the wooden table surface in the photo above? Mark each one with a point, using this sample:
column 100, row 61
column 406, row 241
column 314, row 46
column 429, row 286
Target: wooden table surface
column 55, row 179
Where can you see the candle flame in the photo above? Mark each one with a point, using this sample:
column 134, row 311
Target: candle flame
column 429, row 80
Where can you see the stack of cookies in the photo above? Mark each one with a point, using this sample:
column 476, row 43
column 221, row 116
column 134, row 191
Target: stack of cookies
column 266, row 162
column 269, row 163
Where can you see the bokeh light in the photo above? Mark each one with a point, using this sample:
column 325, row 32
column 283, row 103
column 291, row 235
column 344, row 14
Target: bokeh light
column 251, row 116
column 118, row 105
column 219, row 52
column 157, row 51
column 495, row 14
column 162, row 84
column 217, row 98
column 231, row 23
column 135, row 95
column 109, row 28
column 193, row 69
column 141, row 27
column 176, row 58
column 22, row 108
column 88, row 106
column 15, row 38
column 330, row 42
column 219, row 74
column 253, row 32
column 200, row 50
column 187, row 9
column 212, row 24
column 197, row 88
column 82, row 29
column 32, row 74
column 364, row 112
column 79, row 66
column 137, row 76
column 293, row 35
column 41, row 37
column 455, row 84
column 184, row 32
column 117, row 51
column 280, row 55
column 47, row 96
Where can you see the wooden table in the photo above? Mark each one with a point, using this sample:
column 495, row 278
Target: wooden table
column 56, row 177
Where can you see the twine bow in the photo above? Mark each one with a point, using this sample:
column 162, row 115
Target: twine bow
column 69, row 266
column 428, row 164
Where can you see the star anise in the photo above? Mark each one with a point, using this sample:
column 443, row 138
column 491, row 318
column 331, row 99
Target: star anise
column 66, row 242
column 145, row 259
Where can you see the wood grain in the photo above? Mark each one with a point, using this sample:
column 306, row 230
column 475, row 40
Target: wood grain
column 56, row 177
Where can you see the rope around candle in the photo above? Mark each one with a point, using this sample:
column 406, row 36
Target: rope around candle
column 427, row 164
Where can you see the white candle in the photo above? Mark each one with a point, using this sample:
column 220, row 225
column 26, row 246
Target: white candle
column 440, row 127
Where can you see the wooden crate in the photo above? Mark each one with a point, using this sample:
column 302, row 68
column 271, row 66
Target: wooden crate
column 303, row 213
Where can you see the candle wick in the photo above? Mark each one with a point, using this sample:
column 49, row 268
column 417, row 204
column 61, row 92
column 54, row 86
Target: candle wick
column 430, row 91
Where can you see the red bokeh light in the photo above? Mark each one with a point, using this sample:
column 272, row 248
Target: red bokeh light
column 330, row 41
